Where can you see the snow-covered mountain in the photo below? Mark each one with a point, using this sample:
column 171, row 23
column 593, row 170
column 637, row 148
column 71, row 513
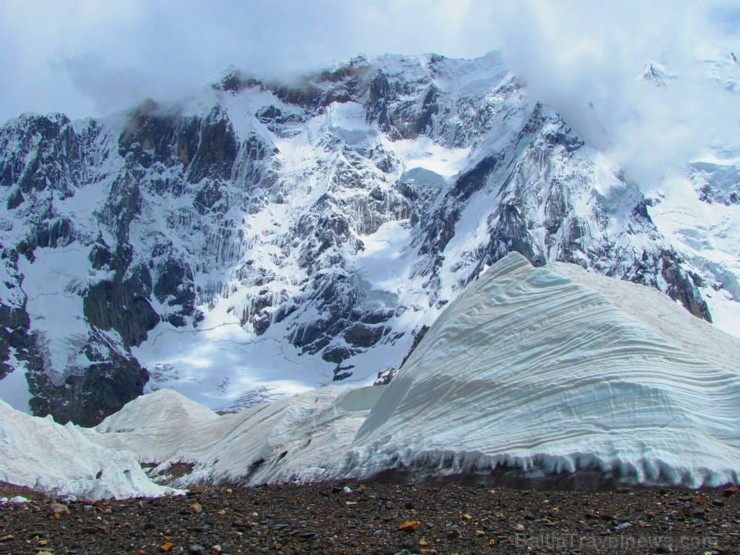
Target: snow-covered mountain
column 697, row 207
column 262, row 238
column 534, row 370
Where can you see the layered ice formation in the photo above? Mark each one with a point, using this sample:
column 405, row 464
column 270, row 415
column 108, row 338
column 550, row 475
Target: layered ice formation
column 548, row 370
column 555, row 369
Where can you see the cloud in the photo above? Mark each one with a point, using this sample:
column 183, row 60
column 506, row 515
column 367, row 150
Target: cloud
column 108, row 89
column 155, row 47
column 584, row 58
column 89, row 58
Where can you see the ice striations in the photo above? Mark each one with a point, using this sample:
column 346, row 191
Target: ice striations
column 556, row 369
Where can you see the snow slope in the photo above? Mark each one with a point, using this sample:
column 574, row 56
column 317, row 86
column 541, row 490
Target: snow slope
column 708, row 235
column 549, row 369
column 696, row 205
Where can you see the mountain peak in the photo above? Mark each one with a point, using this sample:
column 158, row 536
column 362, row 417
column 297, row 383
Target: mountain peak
column 266, row 237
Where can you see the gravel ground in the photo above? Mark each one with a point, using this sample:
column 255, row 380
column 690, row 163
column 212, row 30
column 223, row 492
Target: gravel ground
column 378, row 518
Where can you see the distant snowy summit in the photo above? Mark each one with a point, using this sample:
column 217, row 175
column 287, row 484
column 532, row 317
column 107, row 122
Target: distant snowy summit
column 263, row 238
column 531, row 370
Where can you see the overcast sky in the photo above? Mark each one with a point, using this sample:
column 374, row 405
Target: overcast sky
column 91, row 57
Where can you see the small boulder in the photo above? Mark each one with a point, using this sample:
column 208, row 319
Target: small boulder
column 59, row 510
column 409, row 526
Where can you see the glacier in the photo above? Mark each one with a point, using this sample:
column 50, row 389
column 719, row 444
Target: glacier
column 543, row 369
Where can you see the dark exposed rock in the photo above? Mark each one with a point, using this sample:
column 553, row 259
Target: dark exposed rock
column 386, row 376
column 308, row 333
column 100, row 256
column 418, row 336
column 337, row 354
column 174, row 287
column 269, row 114
column 210, row 197
column 122, row 304
column 102, row 388
column 283, row 311
column 429, row 108
column 46, row 153
column 511, row 235
column 362, row 335
column 440, row 231
column 217, row 148
column 261, row 323
column 681, row 287
column 253, row 167
column 15, row 199
column 342, row 372
column 474, row 180
column 14, row 319
column 149, row 135
column 306, row 95
column 125, row 204
column 55, row 233
column 374, row 316
column 235, row 81
column 379, row 95
column 14, row 334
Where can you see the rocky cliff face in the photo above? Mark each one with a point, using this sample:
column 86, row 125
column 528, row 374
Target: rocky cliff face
column 264, row 237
